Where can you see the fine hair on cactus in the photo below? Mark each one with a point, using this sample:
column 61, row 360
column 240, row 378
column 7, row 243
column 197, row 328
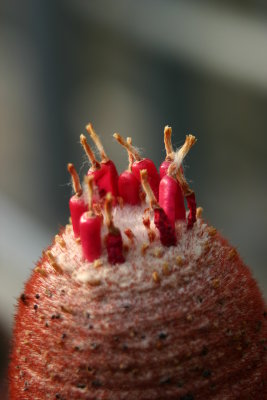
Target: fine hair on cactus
column 138, row 297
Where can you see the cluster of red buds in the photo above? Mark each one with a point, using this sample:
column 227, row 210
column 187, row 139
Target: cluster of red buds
column 167, row 309
column 165, row 191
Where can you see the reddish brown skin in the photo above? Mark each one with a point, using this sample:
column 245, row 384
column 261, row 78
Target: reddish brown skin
column 219, row 344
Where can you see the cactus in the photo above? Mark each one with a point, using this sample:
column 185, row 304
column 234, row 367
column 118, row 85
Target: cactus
column 184, row 322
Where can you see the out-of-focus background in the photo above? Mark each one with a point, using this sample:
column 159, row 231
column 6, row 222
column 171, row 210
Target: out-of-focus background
column 131, row 67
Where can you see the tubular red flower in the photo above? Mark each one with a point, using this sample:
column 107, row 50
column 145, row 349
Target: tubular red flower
column 171, row 199
column 90, row 228
column 140, row 164
column 108, row 182
column 129, row 188
column 113, row 239
column 77, row 205
column 165, row 226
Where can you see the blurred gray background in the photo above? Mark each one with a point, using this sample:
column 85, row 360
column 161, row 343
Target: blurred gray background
column 131, row 67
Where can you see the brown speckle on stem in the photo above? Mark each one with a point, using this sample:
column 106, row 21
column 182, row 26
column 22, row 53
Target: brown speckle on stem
column 232, row 254
column 215, row 283
column 179, row 261
column 98, row 263
column 166, row 269
column 130, row 235
column 199, row 212
column 59, row 239
column 67, row 310
column 158, row 252
column 53, row 262
column 212, row 231
column 155, row 277
column 189, row 318
column 94, row 282
column 150, row 232
column 41, row 271
column 144, row 248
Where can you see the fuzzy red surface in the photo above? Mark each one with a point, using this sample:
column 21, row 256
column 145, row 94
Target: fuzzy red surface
column 202, row 338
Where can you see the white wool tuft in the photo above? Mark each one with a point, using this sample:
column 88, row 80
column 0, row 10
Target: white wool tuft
column 178, row 159
column 139, row 265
